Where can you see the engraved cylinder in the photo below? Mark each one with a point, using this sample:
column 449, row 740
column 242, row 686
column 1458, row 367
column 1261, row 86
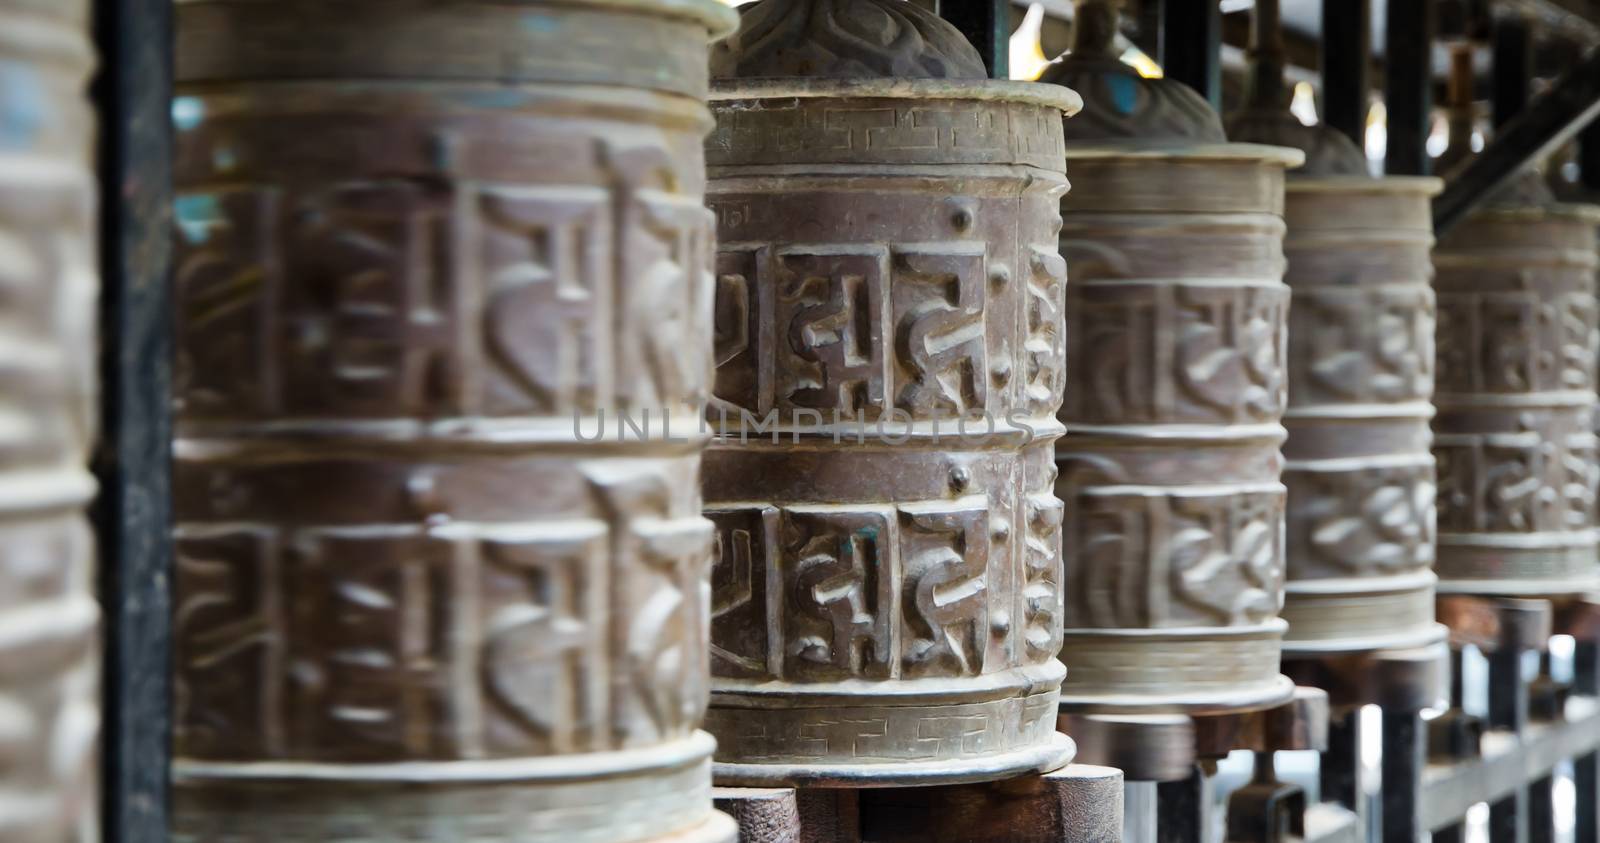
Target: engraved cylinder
column 1170, row 469
column 1517, row 339
column 425, row 253
column 887, row 592
column 1357, row 462
column 49, row 666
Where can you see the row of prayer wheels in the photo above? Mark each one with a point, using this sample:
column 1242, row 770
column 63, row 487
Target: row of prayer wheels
column 535, row 388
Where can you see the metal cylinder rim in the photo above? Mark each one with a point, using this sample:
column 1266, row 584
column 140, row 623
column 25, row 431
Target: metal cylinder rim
column 1060, row 98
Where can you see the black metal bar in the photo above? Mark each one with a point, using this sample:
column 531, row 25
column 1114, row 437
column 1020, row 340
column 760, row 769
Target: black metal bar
column 1542, row 811
column 1346, row 60
column 1508, row 818
column 1508, row 709
column 1458, row 682
column 1408, row 86
column 1191, row 45
column 1340, row 777
column 132, row 514
column 1549, row 121
column 1405, row 755
column 1586, row 770
column 1589, row 159
column 1183, row 812
column 1147, row 33
column 1450, row 834
column 1508, row 693
column 1511, row 74
column 987, row 24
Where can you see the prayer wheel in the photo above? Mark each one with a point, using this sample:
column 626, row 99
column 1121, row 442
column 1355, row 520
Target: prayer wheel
column 887, row 587
column 425, row 250
column 49, row 652
column 1358, row 466
column 1360, row 474
column 1177, row 317
column 1517, row 340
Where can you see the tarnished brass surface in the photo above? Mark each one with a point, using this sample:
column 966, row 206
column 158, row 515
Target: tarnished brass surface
column 416, row 596
column 887, row 594
column 1120, row 104
column 1357, row 462
column 49, row 673
column 1177, row 361
column 1517, row 341
column 1177, row 357
column 1360, row 475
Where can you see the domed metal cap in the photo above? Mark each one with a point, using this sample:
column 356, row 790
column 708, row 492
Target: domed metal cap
column 1118, row 102
column 1266, row 117
column 1528, row 190
column 1329, row 152
column 845, row 39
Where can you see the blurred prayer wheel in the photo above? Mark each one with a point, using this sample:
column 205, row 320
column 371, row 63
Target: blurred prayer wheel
column 1517, row 341
column 49, row 633
column 1176, row 386
column 887, row 592
column 424, row 250
column 1358, row 466
column 1360, row 475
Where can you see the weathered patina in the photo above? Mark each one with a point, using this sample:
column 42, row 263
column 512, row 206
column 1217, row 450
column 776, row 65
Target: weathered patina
column 428, row 254
column 49, row 652
column 1517, row 340
column 1177, row 373
column 1360, row 475
column 1358, row 466
column 887, row 594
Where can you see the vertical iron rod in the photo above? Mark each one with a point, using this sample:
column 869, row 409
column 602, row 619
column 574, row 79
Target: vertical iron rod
column 1340, row 777
column 1511, row 48
column 132, row 514
column 1408, row 85
column 1586, row 770
column 1589, row 159
column 1542, row 811
column 987, row 24
column 1405, row 755
column 1508, row 709
column 1183, row 809
column 1191, row 45
column 1346, row 60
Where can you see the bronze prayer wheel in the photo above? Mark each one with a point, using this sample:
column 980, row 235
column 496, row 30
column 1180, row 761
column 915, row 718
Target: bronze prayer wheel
column 49, row 652
column 1360, row 474
column 1517, row 341
column 887, row 593
column 1177, row 356
column 425, row 250
column 1358, row 466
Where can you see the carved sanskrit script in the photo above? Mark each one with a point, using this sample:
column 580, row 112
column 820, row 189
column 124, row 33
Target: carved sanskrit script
column 1518, row 337
column 1177, row 379
column 49, row 619
column 885, row 592
column 393, row 546
column 1361, row 479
